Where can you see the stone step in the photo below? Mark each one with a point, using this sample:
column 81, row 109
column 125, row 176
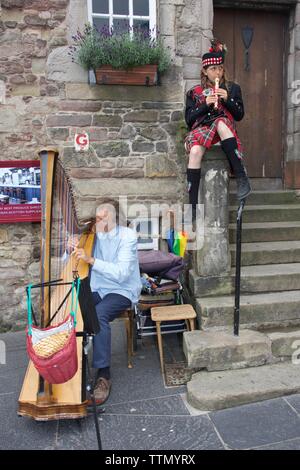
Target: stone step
column 258, row 278
column 269, row 197
column 267, row 213
column 285, row 343
column 267, row 231
column 260, row 184
column 267, row 253
column 209, row 391
column 221, row 350
column 269, row 278
column 274, row 309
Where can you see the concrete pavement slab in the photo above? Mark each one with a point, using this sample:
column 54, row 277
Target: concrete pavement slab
column 257, row 424
column 156, row 432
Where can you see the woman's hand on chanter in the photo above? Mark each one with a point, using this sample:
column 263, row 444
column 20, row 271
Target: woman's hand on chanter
column 222, row 93
column 212, row 99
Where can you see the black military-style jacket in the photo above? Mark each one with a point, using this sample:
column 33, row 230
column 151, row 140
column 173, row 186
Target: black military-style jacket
column 197, row 110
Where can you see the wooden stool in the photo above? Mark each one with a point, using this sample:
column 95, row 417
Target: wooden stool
column 128, row 317
column 173, row 312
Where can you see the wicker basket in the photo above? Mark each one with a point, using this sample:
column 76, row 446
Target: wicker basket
column 51, row 345
column 54, row 352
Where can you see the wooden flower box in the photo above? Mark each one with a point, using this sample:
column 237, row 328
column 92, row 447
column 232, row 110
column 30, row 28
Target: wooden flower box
column 142, row 75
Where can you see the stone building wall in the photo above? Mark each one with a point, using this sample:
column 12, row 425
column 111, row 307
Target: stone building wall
column 292, row 163
column 135, row 132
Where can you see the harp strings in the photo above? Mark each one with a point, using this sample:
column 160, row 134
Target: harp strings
column 63, row 230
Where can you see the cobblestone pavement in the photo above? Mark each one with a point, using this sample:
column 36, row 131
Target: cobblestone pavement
column 141, row 413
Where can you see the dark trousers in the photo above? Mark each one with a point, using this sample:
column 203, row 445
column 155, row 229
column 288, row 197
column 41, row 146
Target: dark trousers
column 108, row 308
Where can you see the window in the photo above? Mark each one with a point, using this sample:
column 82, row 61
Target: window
column 122, row 14
column 147, row 232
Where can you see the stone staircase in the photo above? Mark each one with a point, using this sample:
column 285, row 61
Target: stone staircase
column 254, row 365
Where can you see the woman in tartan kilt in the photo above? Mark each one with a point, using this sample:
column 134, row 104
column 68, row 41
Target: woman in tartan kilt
column 210, row 115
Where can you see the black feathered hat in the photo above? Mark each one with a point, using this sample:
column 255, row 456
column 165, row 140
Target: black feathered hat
column 215, row 55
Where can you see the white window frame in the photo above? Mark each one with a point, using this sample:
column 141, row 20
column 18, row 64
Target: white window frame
column 130, row 17
column 154, row 232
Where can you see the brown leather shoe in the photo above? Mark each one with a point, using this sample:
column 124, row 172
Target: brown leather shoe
column 101, row 391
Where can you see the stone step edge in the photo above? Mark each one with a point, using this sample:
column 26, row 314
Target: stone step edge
column 221, row 350
column 267, row 225
column 282, row 269
column 281, row 245
column 209, row 391
column 265, row 207
column 250, row 297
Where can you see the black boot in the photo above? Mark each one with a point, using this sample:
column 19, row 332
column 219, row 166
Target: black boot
column 230, row 147
column 193, row 180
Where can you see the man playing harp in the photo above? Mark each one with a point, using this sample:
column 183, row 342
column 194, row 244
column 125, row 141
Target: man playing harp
column 115, row 283
column 110, row 256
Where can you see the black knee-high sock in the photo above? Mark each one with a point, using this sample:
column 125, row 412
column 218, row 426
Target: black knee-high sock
column 229, row 147
column 193, row 179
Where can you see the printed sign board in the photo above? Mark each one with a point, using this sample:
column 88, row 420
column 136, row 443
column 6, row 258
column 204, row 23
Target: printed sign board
column 20, row 191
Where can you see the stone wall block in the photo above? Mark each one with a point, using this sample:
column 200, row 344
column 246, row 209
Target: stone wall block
column 97, row 134
column 127, row 132
column 11, row 14
column 176, row 116
column 72, row 159
column 112, row 149
column 296, row 120
column 297, row 65
column 109, row 163
column 153, row 133
column 142, row 146
column 76, row 17
column 106, row 120
column 191, row 67
column 191, row 16
column 3, row 236
column 141, row 116
column 297, row 13
column 17, row 80
column 159, row 166
column 58, row 133
column 8, row 119
column 292, row 123
column 67, row 120
column 84, row 106
column 61, row 68
column 131, row 162
column 34, row 20
column 162, row 147
column 291, row 70
column 167, row 19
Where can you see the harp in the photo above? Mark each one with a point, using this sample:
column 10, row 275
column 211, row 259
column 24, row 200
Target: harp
column 39, row 399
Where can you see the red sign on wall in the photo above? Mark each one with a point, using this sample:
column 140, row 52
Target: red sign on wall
column 20, row 191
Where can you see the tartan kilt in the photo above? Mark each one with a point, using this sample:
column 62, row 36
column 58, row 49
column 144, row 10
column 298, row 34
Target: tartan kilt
column 208, row 136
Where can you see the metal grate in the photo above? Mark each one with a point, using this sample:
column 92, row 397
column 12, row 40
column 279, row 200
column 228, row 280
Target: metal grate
column 177, row 374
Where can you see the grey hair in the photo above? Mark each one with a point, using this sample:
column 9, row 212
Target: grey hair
column 112, row 205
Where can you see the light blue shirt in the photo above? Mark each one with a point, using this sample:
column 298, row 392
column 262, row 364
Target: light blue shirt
column 116, row 268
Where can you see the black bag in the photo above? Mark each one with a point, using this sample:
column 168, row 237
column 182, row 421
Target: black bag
column 158, row 263
column 89, row 315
